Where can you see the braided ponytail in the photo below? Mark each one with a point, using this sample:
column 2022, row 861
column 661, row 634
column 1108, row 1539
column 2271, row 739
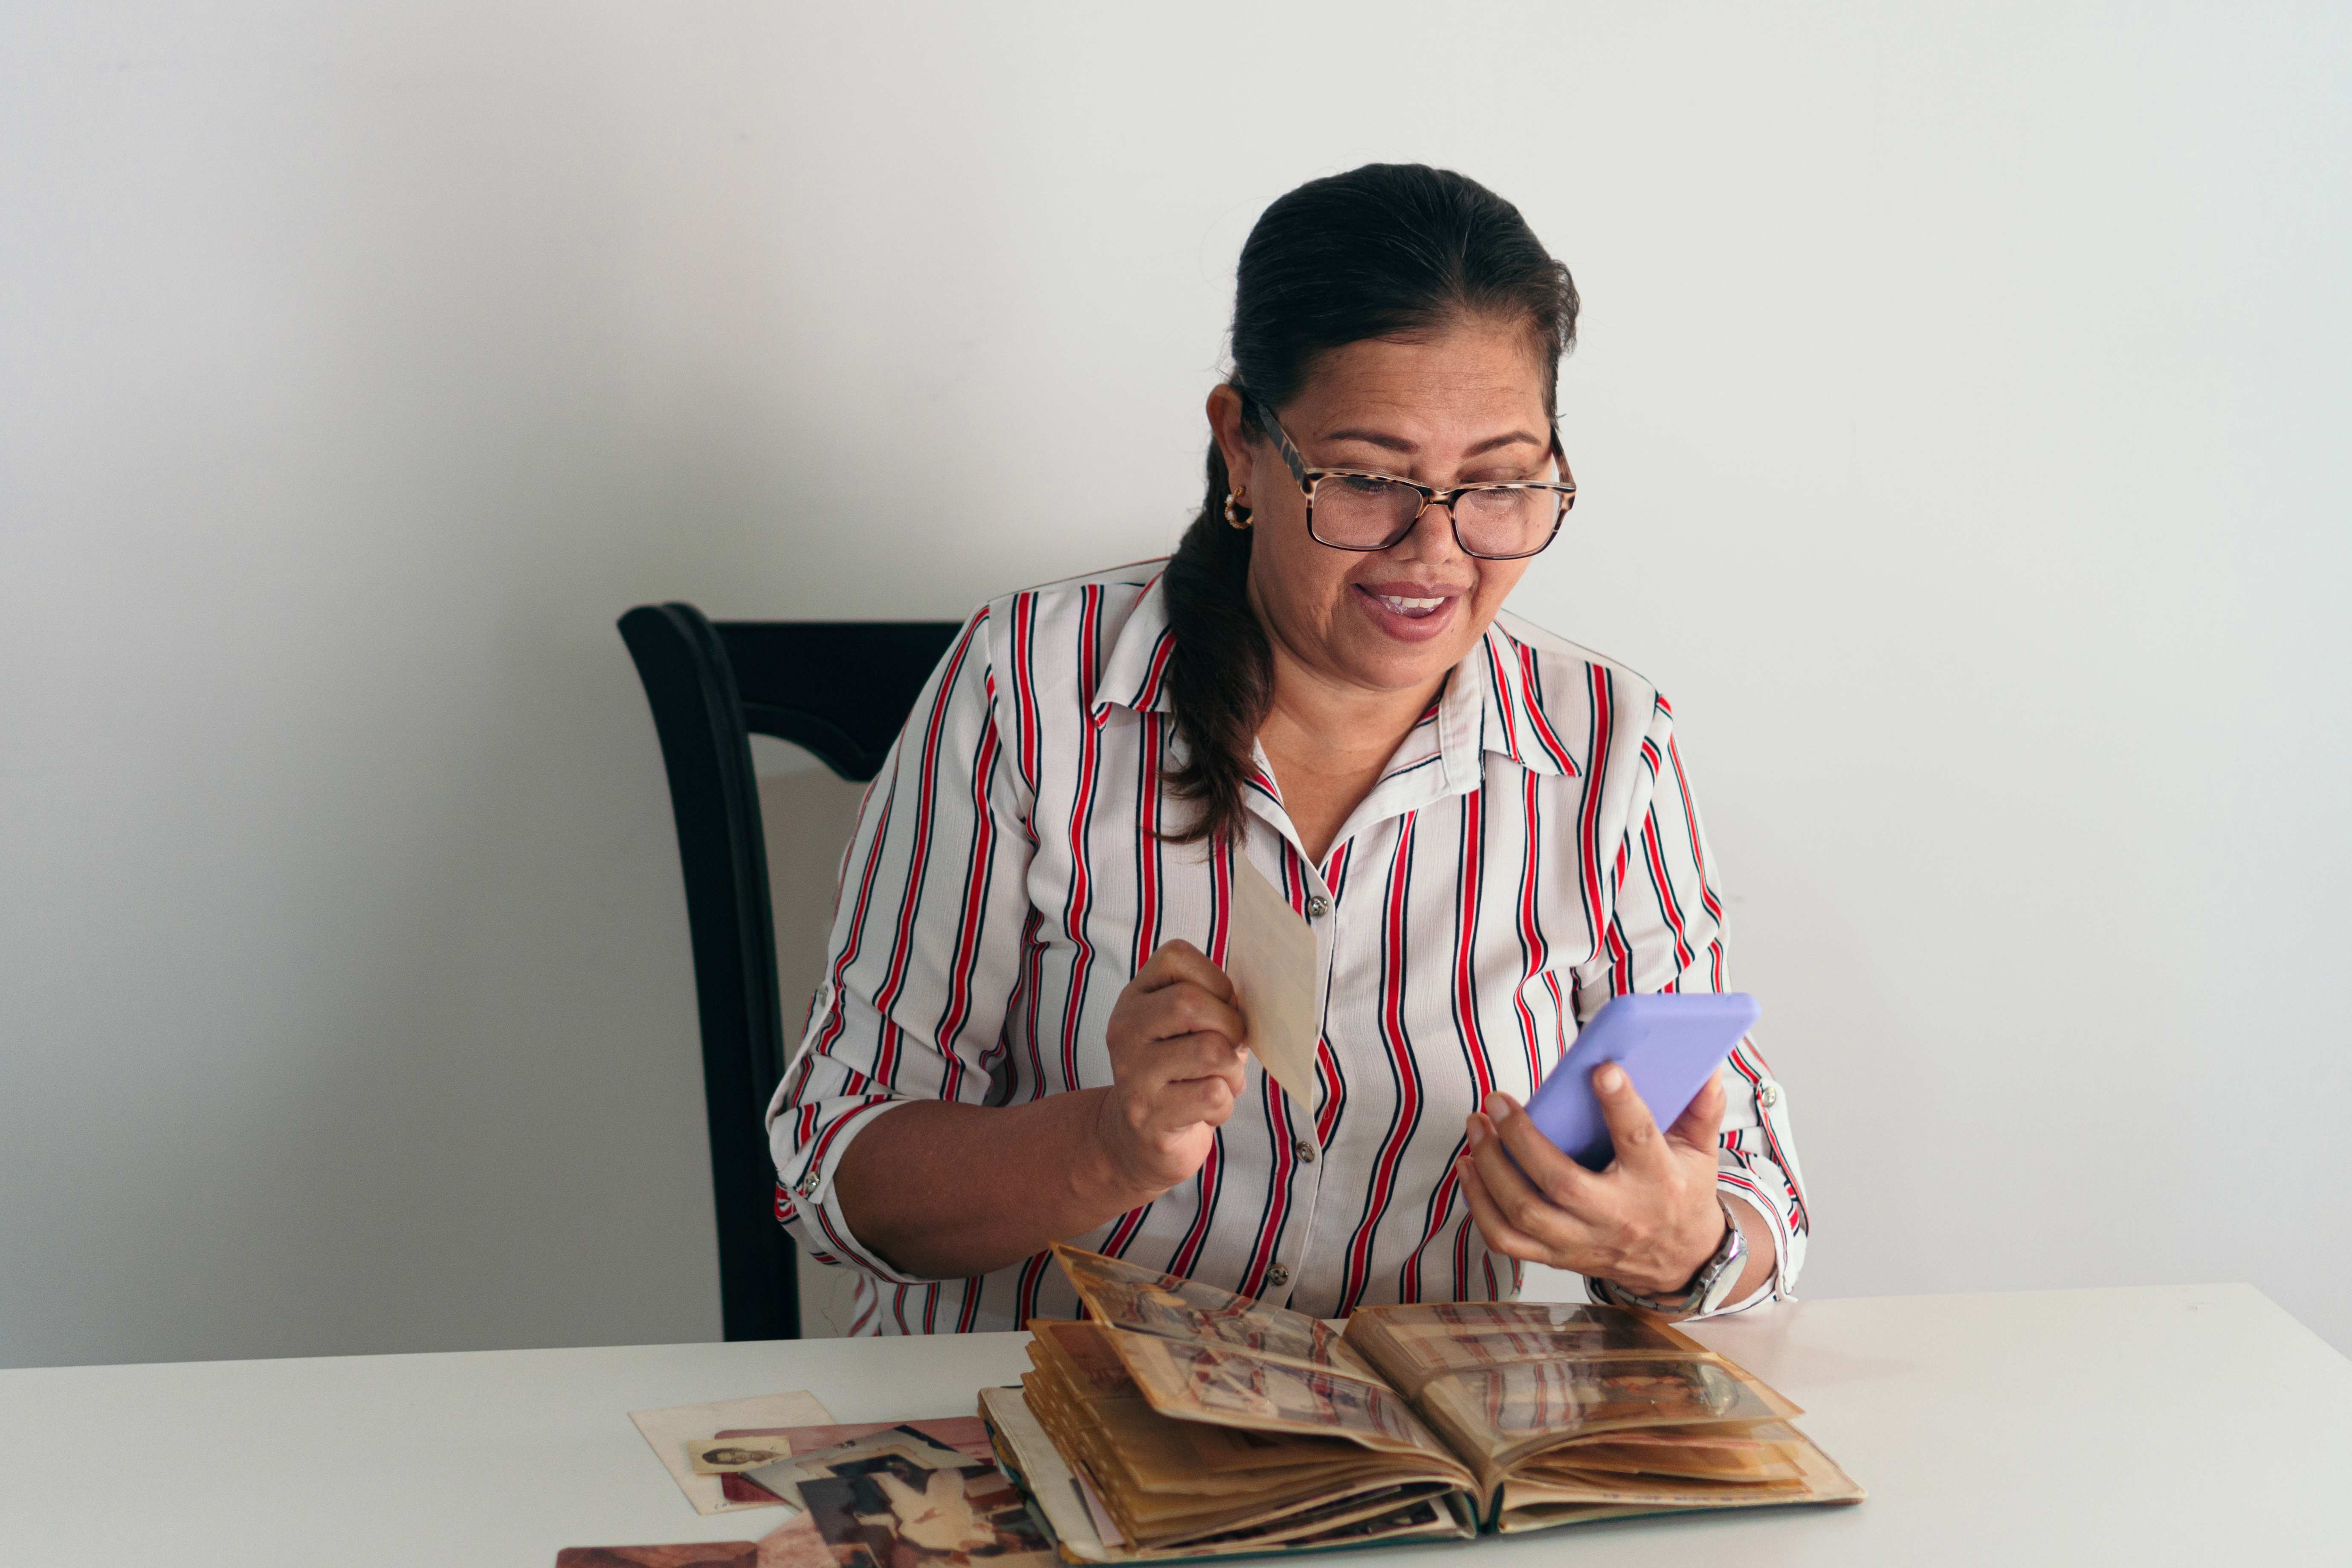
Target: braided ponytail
column 1221, row 671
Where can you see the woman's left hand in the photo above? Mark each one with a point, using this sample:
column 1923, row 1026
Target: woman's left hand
column 1648, row 1222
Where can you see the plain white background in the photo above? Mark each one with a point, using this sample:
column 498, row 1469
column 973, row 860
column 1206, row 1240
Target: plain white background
column 1960, row 416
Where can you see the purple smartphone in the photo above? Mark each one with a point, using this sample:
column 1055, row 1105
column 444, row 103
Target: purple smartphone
column 1669, row 1045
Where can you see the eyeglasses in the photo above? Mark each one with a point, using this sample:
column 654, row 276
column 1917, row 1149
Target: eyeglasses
column 1355, row 508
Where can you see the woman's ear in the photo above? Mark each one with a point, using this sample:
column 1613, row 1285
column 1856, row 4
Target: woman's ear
column 1229, row 424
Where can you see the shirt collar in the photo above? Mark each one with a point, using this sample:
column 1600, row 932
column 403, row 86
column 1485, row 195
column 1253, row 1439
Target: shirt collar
column 1493, row 701
column 1512, row 718
column 1135, row 674
column 1491, row 705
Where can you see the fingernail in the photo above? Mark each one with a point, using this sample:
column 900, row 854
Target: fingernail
column 1474, row 1134
column 1610, row 1078
column 1497, row 1106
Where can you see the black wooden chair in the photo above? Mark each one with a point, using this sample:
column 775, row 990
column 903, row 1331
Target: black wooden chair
column 843, row 690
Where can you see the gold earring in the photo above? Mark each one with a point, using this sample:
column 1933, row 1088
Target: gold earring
column 1239, row 520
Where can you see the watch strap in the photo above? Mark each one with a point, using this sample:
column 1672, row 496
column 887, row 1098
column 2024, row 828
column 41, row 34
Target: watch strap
column 1708, row 1290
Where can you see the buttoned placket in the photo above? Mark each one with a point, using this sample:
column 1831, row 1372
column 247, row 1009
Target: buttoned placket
column 1413, row 779
column 1268, row 851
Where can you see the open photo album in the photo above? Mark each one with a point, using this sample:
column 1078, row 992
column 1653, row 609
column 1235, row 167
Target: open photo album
column 1179, row 1420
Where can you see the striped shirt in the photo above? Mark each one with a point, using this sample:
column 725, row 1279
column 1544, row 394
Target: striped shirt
column 1530, row 851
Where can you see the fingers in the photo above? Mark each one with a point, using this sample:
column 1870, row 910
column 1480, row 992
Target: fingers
column 1520, row 1204
column 1190, row 1058
column 1174, row 1039
column 1177, row 962
column 1198, row 1055
column 1178, row 992
column 1500, row 1234
column 1640, row 1147
column 1189, row 1010
column 1627, row 1223
column 1700, row 1126
column 1182, row 1008
column 1190, row 1102
column 1559, row 1178
column 1181, row 1083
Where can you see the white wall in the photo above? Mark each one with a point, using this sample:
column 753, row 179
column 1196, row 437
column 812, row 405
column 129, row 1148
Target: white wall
column 1959, row 415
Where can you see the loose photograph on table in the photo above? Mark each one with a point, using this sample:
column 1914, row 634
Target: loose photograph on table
column 898, row 1515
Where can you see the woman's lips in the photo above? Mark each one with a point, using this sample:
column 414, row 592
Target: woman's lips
column 1407, row 611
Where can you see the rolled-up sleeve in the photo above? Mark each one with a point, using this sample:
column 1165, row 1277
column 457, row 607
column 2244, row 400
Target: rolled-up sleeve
column 1666, row 933
column 925, row 948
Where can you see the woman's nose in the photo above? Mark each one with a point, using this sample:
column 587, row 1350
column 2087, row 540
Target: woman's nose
column 1431, row 538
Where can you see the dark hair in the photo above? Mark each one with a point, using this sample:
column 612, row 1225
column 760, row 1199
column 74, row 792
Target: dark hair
column 1387, row 250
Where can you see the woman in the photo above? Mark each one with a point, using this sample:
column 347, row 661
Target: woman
column 1024, row 1034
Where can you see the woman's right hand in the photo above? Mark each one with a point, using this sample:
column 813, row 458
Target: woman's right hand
column 1176, row 1062
column 941, row 1189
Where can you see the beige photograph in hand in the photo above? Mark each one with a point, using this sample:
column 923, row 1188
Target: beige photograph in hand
column 1270, row 958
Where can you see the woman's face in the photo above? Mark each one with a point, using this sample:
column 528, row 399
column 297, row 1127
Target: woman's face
column 1460, row 404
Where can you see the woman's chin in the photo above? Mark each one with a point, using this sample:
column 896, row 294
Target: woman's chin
column 1380, row 665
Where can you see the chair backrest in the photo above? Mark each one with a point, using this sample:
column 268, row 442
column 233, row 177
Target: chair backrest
column 842, row 689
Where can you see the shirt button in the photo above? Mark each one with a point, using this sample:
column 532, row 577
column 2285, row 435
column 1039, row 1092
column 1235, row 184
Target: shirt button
column 1318, row 907
column 1769, row 1096
column 1305, row 1151
column 1277, row 1276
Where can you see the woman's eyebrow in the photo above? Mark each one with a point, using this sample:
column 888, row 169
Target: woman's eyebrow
column 1384, row 440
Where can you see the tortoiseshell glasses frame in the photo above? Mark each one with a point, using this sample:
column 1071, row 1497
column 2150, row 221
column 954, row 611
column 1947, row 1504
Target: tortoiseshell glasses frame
column 1564, row 488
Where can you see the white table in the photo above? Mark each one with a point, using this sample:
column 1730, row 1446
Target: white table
column 2193, row 1424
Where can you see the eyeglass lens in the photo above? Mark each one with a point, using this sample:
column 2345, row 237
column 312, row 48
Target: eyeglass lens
column 1359, row 512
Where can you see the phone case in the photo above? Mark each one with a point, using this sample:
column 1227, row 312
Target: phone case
column 1669, row 1045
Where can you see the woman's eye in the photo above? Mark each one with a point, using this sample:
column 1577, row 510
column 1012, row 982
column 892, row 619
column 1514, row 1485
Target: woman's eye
column 1363, row 485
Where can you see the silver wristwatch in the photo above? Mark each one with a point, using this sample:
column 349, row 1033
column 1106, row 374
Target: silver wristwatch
column 1710, row 1289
